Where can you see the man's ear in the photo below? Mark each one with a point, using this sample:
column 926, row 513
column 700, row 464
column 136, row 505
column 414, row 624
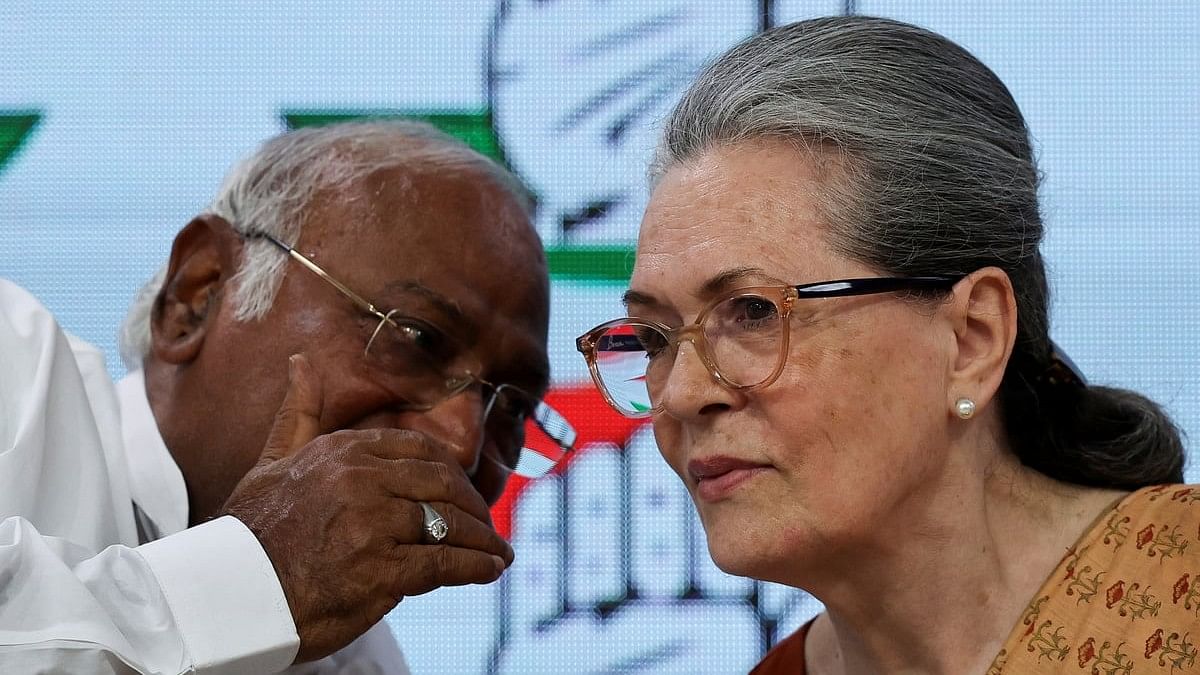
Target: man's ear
column 204, row 257
column 985, row 327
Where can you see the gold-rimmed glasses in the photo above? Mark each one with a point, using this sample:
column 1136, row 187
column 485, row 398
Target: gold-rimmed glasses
column 741, row 338
column 431, row 366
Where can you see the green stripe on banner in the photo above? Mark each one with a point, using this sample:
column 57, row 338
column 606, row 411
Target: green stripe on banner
column 14, row 129
column 472, row 128
column 591, row 263
column 605, row 264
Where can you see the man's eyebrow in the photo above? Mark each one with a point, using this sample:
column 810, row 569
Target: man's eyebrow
column 440, row 302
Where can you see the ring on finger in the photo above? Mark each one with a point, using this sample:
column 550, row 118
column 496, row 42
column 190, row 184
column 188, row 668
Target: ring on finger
column 434, row 524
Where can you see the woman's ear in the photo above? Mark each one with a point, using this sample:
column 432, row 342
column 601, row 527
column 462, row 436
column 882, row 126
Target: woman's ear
column 985, row 327
column 204, row 257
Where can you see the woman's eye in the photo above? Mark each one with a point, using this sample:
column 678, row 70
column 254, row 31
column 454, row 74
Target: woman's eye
column 652, row 341
column 755, row 309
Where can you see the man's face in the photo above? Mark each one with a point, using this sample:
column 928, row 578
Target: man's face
column 453, row 252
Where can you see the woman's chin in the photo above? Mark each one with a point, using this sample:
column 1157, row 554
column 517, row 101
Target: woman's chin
column 756, row 549
column 748, row 556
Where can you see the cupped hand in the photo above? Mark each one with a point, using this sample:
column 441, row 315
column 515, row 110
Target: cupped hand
column 339, row 516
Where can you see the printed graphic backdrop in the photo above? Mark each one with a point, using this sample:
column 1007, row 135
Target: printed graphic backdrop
column 116, row 125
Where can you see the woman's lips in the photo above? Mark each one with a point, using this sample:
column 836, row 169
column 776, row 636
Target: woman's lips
column 718, row 477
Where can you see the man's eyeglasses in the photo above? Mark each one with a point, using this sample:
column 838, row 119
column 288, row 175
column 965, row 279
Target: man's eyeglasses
column 429, row 366
column 741, row 337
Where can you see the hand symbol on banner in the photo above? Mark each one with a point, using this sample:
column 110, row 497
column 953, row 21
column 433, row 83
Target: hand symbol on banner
column 612, row 575
column 577, row 91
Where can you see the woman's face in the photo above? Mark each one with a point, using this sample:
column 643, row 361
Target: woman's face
column 832, row 455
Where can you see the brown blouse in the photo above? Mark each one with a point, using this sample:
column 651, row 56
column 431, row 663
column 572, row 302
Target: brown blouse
column 785, row 657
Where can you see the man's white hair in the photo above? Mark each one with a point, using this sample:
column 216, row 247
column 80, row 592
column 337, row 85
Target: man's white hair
column 269, row 192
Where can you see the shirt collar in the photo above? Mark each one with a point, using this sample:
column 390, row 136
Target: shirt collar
column 154, row 478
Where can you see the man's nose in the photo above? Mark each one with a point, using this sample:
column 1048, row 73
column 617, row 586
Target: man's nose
column 458, row 422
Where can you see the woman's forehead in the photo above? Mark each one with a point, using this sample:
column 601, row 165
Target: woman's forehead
column 764, row 184
column 730, row 211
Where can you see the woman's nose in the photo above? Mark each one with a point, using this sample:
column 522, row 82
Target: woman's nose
column 691, row 390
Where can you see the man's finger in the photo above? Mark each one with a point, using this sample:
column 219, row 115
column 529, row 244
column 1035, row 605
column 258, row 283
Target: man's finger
column 462, row 529
column 421, row 568
column 298, row 420
column 536, row 591
column 421, row 480
column 595, row 519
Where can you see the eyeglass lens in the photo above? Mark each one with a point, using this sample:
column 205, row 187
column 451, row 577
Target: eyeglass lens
column 744, row 336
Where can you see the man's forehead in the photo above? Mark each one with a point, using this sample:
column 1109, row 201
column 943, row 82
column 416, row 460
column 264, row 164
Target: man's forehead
column 458, row 212
column 433, row 188
column 458, row 245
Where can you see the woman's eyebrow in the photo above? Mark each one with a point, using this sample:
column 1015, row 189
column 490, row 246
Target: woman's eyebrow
column 719, row 283
column 724, row 281
column 632, row 297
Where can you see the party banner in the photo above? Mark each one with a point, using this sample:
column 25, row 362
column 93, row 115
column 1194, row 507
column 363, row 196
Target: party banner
column 116, row 125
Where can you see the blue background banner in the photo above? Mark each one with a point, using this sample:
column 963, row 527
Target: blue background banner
column 117, row 124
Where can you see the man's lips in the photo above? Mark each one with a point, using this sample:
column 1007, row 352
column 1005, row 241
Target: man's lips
column 717, row 477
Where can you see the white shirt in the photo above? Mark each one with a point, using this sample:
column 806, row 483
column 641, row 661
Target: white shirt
column 162, row 508
column 79, row 593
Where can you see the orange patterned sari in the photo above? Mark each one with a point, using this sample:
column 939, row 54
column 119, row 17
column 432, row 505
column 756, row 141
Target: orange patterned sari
column 1124, row 601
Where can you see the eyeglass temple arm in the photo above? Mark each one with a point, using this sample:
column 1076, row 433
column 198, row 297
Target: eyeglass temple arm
column 556, row 426
column 869, row 285
column 315, row 269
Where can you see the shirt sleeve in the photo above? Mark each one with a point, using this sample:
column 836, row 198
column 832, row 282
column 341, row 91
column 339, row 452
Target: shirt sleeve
column 205, row 600
column 76, row 592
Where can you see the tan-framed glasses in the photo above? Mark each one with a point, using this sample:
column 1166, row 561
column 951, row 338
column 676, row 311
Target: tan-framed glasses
column 428, row 366
column 741, row 337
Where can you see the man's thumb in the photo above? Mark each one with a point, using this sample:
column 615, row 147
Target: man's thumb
column 298, row 419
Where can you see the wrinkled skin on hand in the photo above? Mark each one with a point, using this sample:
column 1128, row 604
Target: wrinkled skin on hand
column 339, row 516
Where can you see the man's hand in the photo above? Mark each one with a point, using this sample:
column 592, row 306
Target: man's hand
column 340, row 519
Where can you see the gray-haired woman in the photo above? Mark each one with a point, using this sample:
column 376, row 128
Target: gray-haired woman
column 838, row 322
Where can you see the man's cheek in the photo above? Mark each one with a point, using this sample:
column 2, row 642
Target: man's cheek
column 489, row 480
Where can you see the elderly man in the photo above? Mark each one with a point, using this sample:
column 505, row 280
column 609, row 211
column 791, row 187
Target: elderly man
column 337, row 366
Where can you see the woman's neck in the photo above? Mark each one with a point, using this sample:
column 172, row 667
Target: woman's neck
column 977, row 549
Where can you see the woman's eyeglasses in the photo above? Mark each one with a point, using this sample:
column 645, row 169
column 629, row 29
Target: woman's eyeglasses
column 741, row 337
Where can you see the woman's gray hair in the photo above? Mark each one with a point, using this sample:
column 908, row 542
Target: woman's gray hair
column 933, row 175
column 269, row 192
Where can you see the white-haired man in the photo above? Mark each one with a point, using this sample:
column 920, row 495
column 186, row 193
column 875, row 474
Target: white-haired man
column 336, row 368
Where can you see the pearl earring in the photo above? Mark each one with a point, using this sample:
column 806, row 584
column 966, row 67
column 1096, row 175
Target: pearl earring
column 965, row 408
